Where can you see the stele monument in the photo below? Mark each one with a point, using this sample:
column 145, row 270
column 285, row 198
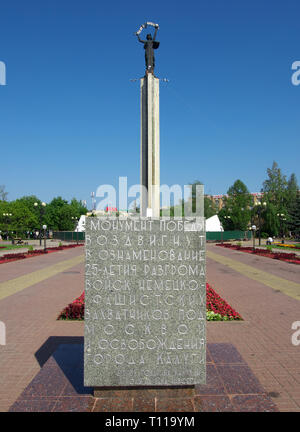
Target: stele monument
column 145, row 286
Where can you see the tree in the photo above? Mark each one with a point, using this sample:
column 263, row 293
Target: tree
column 236, row 213
column 209, row 208
column 23, row 219
column 274, row 187
column 77, row 208
column 58, row 215
column 291, row 191
column 28, row 203
column 3, row 194
column 225, row 219
column 209, row 205
column 294, row 217
column 277, row 194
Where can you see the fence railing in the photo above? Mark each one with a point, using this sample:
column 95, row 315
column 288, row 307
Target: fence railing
column 68, row 236
column 228, row 235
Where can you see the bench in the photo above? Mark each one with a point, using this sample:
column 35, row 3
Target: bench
column 18, row 241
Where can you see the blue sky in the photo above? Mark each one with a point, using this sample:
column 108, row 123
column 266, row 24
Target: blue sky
column 69, row 114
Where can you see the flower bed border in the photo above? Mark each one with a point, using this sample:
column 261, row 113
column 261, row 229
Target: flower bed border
column 29, row 254
column 217, row 308
column 282, row 256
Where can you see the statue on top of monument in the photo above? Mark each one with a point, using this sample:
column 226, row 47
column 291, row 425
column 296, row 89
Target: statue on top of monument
column 150, row 44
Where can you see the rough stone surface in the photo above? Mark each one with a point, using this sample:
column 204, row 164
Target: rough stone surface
column 145, row 299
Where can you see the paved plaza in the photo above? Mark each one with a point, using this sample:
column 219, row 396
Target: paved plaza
column 265, row 292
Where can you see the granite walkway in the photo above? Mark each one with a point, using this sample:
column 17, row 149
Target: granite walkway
column 32, row 293
column 266, row 293
column 263, row 339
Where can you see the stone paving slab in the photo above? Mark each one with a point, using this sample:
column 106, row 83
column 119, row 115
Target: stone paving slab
column 231, row 386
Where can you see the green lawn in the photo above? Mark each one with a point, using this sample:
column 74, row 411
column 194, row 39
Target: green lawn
column 10, row 246
column 286, row 247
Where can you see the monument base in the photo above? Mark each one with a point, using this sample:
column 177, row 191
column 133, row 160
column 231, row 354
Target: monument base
column 58, row 387
column 150, row 391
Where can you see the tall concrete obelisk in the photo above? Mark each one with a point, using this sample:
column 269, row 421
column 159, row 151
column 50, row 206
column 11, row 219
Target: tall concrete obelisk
column 149, row 162
column 150, row 166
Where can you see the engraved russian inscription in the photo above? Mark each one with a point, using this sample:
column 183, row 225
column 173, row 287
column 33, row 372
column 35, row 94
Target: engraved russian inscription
column 145, row 295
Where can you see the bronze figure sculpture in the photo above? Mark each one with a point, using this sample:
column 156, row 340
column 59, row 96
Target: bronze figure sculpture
column 150, row 44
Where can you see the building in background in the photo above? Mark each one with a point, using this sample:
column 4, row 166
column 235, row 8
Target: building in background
column 218, row 200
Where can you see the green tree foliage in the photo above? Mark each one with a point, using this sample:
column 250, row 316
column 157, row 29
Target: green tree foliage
column 23, row 219
column 274, row 187
column 57, row 215
column 77, row 208
column 291, row 192
column 209, row 208
column 28, row 203
column 236, row 207
column 209, row 205
column 280, row 196
column 270, row 220
column 294, row 217
column 225, row 219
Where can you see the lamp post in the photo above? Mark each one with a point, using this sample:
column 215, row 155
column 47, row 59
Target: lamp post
column 226, row 218
column 281, row 219
column 74, row 218
column 44, row 228
column 253, row 228
column 7, row 217
column 42, row 211
column 260, row 205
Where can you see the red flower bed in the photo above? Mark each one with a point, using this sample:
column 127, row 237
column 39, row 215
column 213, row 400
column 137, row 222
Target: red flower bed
column 37, row 252
column 12, row 255
column 74, row 311
column 214, row 303
column 217, row 304
column 17, row 256
column 282, row 256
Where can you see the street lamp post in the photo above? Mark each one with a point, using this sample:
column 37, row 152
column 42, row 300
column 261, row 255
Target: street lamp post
column 281, row 219
column 42, row 211
column 260, row 206
column 76, row 227
column 44, row 228
column 225, row 217
column 253, row 228
column 7, row 216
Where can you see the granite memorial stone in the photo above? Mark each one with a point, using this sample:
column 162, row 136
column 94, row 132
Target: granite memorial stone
column 145, row 302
